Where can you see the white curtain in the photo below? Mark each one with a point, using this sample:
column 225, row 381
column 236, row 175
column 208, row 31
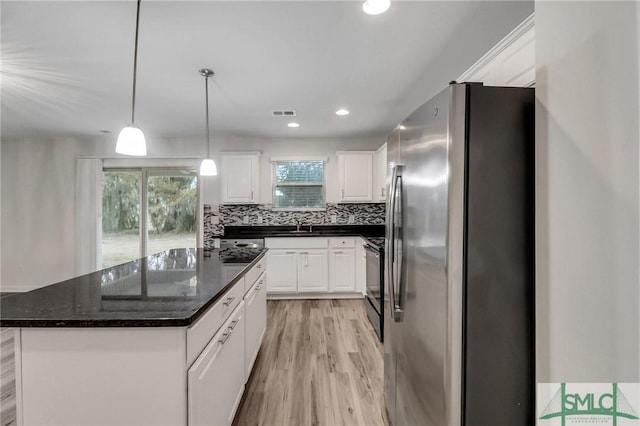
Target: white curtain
column 88, row 215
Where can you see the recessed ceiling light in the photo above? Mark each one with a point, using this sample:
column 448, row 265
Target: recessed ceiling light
column 342, row 112
column 293, row 125
column 376, row 7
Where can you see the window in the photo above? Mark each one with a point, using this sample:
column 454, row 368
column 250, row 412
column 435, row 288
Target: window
column 298, row 184
column 145, row 211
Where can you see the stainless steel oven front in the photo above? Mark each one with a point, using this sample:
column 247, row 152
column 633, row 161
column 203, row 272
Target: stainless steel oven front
column 375, row 288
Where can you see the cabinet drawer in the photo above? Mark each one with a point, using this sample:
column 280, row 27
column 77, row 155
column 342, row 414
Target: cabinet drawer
column 199, row 334
column 297, row 243
column 252, row 275
column 342, row 242
column 216, row 380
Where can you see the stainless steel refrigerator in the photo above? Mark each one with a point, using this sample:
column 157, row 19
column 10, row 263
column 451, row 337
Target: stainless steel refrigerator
column 459, row 302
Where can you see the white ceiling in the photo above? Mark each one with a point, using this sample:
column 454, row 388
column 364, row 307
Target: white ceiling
column 67, row 66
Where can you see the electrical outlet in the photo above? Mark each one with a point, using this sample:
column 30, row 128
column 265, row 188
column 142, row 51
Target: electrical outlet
column 352, row 218
column 259, row 218
column 334, row 218
column 215, row 220
column 245, row 219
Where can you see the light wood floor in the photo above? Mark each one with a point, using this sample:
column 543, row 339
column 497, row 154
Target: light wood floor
column 320, row 364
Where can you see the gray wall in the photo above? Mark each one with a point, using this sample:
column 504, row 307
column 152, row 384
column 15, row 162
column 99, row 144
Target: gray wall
column 587, row 191
column 38, row 194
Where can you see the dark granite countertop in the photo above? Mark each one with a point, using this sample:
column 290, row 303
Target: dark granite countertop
column 315, row 231
column 169, row 289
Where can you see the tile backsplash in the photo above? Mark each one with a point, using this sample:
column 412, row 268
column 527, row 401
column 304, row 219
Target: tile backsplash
column 261, row 214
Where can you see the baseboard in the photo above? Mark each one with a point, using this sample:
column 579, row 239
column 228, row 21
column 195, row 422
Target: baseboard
column 301, row 296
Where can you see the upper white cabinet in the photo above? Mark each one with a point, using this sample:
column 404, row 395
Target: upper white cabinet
column 380, row 174
column 240, row 178
column 356, row 175
column 511, row 62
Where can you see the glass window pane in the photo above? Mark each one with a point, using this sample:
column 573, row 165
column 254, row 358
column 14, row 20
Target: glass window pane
column 120, row 216
column 172, row 198
column 298, row 184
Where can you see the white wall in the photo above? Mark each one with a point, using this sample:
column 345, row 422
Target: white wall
column 38, row 194
column 587, row 74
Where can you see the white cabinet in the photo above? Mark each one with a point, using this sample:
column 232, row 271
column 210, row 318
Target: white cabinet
column 322, row 266
column 509, row 63
column 312, row 271
column 255, row 308
column 215, row 381
column 356, row 175
column 240, row 178
column 297, row 265
column 283, row 271
column 380, row 174
column 342, row 270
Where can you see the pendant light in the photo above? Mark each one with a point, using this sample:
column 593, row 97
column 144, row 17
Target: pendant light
column 376, row 7
column 131, row 139
column 208, row 166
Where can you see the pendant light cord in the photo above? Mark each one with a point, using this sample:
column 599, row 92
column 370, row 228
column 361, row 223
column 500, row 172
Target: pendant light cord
column 135, row 66
column 206, row 88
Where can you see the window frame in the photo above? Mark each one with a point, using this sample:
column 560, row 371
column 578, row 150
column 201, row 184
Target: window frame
column 274, row 186
column 145, row 171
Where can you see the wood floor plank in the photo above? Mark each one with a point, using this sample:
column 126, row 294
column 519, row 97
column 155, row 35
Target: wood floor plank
column 320, row 364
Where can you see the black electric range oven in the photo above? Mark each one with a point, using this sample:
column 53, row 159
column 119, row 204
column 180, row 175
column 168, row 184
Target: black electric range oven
column 374, row 305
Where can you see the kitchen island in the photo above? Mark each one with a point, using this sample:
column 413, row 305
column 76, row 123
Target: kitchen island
column 169, row 339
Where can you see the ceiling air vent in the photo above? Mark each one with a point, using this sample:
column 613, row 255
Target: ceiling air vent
column 284, row 113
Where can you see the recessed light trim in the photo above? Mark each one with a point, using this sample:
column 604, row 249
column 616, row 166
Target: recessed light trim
column 294, row 125
column 376, row 7
column 342, row 111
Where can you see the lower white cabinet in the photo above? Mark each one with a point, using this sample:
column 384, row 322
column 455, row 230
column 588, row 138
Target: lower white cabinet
column 216, row 379
column 312, row 271
column 320, row 266
column 283, row 271
column 255, row 308
column 342, row 270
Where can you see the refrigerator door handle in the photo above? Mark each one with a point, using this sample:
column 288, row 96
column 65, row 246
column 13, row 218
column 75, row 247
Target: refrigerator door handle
column 394, row 261
column 397, row 246
column 390, row 241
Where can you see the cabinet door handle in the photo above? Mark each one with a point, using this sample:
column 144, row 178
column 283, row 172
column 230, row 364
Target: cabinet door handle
column 259, row 287
column 382, row 191
column 228, row 301
column 251, row 195
column 259, row 266
column 291, row 252
column 224, row 338
column 233, row 324
column 304, row 252
column 342, row 193
column 338, row 252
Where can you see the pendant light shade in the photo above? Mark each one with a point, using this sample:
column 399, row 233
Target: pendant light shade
column 208, row 166
column 131, row 140
column 376, row 7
